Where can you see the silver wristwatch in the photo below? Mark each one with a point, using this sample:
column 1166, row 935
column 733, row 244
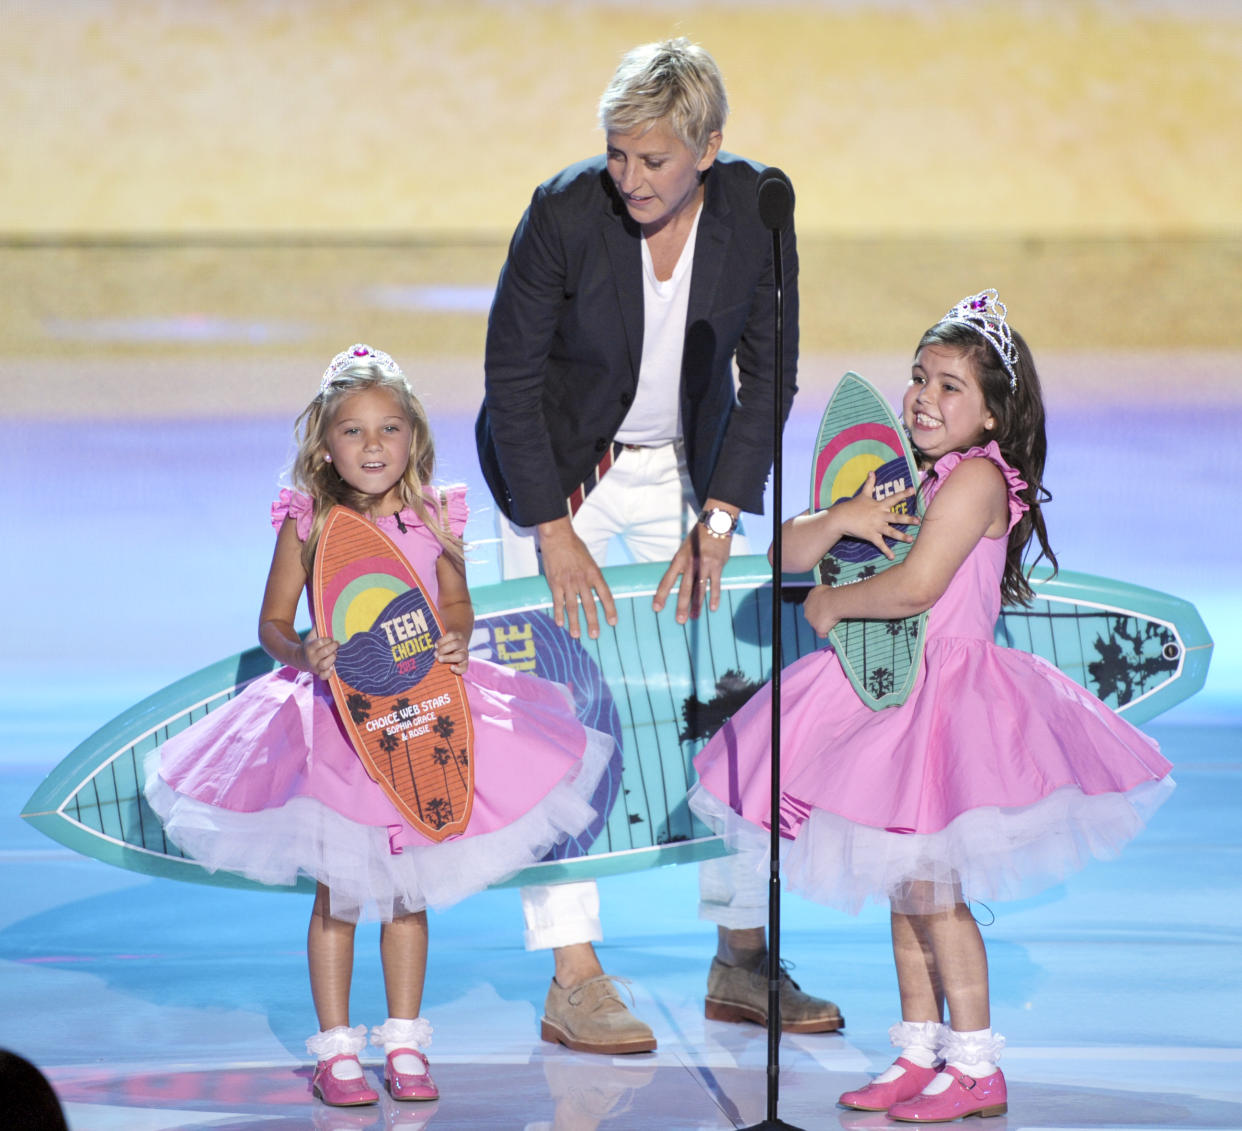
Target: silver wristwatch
column 718, row 522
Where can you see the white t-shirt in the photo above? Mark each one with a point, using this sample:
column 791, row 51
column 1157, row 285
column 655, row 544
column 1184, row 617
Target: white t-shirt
column 655, row 416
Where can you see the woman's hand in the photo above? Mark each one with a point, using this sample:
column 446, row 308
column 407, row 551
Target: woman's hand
column 872, row 520
column 819, row 610
column 698, row 563
column 574, row 579
column 454, row 649
column 318, row 654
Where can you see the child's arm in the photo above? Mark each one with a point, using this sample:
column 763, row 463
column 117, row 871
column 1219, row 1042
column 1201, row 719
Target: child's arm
column 285, row 581
column 972, row 504
column 456, row 614
column 808, row 537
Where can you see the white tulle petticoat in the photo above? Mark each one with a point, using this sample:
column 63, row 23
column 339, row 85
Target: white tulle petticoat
column 365, row 878
column 987, row 853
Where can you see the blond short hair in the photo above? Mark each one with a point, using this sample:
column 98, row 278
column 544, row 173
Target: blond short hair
column 674, row 80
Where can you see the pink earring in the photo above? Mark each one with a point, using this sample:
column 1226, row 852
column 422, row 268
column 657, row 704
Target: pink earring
column 327, row 458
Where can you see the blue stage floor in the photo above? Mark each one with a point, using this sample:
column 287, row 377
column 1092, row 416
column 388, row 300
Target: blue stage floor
column 135, row 553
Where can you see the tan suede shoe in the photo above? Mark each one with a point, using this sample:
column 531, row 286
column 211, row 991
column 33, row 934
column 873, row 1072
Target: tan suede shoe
column 592, row 1018
column 735, row 994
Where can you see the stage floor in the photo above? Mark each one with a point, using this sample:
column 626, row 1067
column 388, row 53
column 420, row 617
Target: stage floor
column 135, row 551
column 153, row 1005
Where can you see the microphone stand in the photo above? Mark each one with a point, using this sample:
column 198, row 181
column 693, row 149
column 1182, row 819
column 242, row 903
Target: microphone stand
column 775, row 199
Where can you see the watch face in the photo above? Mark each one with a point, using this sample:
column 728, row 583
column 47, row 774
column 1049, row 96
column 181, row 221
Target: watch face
column 720, row 522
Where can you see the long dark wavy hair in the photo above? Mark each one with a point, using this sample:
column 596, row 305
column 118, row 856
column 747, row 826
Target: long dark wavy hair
column 312, row 476
column 1019, row 433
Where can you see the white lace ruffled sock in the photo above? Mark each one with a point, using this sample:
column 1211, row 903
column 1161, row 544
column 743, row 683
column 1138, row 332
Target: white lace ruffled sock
column 972, row 1053
column 328, row 1043
column 918, row 1041
column 403, row 1033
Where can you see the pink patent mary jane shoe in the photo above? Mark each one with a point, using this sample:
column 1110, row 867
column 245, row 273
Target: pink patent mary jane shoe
column 341, row 1093
column 965, row 1096
column 880, row 1097
column 409, row 1085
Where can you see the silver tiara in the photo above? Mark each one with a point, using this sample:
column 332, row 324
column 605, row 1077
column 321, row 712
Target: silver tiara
column 985, row 314
column 359, row 355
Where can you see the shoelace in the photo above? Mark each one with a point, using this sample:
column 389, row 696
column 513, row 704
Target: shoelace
column 575, row 995
column 786, row 966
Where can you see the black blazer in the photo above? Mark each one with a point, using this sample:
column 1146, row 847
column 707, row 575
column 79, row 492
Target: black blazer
column 564, row 342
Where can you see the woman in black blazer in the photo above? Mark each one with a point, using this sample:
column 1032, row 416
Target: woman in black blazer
column 635, row 282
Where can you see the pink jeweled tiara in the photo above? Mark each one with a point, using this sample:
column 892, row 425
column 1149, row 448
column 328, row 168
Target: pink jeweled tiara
column 358, row 354
column 985, row 314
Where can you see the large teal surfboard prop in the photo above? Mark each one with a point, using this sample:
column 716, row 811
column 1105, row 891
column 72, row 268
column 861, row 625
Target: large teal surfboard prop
column 659, row 687
column 859, row 434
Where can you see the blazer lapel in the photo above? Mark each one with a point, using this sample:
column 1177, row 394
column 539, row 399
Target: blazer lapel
column 625, row 256
column 710, row 251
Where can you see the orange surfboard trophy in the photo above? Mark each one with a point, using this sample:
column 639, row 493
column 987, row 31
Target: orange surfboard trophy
column 406, row 715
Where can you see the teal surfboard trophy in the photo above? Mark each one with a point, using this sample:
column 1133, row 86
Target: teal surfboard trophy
column 660, row 688
column 860, row 434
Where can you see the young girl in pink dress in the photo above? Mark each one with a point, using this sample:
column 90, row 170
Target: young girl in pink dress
column 995, row 778
column 269, row 786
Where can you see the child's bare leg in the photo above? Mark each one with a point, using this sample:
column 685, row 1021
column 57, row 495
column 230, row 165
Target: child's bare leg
column 970, row 1082
column 918, row 976
column 940, row 958
column 962, row 961
column 919, row 982
column 330, row 954
column 338, row 1076
column 919, row 1033
column 403, row 951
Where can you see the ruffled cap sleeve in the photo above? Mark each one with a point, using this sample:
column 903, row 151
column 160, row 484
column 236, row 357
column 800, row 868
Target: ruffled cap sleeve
column 297, row 505
column 456, row 509
column 990, row 451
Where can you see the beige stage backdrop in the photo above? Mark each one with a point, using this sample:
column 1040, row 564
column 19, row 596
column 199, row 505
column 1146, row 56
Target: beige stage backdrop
column 251, row 184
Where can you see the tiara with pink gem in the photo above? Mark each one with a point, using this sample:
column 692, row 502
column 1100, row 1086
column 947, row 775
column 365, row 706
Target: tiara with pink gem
column 985, row 314
column 359, row 355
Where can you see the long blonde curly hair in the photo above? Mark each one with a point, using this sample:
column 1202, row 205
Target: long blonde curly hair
column 315, row 477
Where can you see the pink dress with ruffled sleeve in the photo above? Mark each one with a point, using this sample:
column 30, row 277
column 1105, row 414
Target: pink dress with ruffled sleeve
column 998, row 776
column 268, row 785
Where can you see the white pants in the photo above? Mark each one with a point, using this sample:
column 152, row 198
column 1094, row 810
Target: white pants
column 641, row 510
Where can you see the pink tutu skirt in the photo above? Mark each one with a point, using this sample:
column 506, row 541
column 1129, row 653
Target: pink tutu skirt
column 997, row 777
column 268, row 786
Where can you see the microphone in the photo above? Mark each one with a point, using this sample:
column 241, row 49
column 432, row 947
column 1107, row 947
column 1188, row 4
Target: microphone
column 776, row 198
